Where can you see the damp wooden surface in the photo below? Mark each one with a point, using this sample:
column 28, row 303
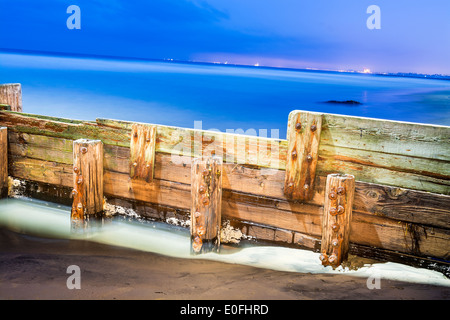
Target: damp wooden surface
column 385, row 215
column 11, row 94
column 405, row 155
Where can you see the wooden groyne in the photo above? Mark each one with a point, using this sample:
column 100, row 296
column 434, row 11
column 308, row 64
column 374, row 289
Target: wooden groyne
column 271, row 189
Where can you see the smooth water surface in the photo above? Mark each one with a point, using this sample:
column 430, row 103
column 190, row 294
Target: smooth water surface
column 221, row 96
column 50, row 220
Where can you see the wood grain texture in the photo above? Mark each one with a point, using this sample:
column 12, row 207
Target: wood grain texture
column 406, row 155
column 372, row 199
column 303, row 135
column 11, row 94
column 87, row 178
column 3, row 162
column 337, row 217
column 142, row 152
column 206, row 208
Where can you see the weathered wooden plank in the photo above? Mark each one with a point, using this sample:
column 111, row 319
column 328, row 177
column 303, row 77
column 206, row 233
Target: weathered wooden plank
column 337, row 216
column 368, row 147
column 11, row 94
column 206, row 208
column 63, row 128
column 406, row 237
column 303, row 134
column 306, row 219
column 395, row 203
column 142, row 152
column 371, row 158
column 3, row 162
column 87, row 179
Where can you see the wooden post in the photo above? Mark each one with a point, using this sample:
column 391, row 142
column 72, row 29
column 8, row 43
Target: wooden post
column 337, row 214
column 142, row 152
column 87, row 180
column 11, row 94
column 206, row 192
column 3, row 162
column 303, row 135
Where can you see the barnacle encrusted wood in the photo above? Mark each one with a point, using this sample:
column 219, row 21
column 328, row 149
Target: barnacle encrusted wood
column 337, row 214
column 142, row 152
column 206, row 193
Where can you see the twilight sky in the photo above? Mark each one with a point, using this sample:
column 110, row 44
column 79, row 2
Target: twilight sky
column 323, row 34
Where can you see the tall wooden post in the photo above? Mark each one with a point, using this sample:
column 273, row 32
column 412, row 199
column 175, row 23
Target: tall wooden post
column 87, row 180
column 337, row 214
column 3, row 162
column 303, row 135
column 11, row 94
column 206, row 192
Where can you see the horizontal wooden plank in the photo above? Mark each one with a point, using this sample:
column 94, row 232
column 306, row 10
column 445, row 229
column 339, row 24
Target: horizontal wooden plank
column 412, row 156
column 394, row 203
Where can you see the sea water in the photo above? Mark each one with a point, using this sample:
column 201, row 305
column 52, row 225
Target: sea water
column 222, row 97
column 45, row 219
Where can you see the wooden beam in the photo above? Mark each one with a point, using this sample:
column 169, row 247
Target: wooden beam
column 337, row 215
column 3, row 162
column 142, row 152
column 11, row 94
column 206, row 193
column 303, row 135
column 87, row 180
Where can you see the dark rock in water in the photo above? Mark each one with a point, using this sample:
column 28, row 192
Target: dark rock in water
column 350, row 102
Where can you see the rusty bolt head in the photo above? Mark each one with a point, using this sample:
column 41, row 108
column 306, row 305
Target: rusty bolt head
column 309, row 158
column 76, row 170
column 335, row 227
column 148, row 139
column 341, row 191
column 340, row 209
column 80, row 180
column 135, row 135
column 323, row 257
column 335, row 243
column 205, row 201
column 313, row 127
column 135, row 164
column 74, row 192
column 332, row 195
column 83, row 150
column 294, row 154
column 306, row 186
column 197, row 214
column 290, row 186
column 333, row 211
column 205, row 172
column 298, row 126
column 202, row 189
column 332, row 259
column 201, row 231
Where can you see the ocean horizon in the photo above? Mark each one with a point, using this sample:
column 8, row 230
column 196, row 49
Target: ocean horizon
column 251, row 100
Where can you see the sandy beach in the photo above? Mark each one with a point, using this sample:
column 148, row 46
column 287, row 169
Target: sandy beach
column 35, row 268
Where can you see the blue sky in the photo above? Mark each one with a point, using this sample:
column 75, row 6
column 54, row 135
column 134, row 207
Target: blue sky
column 323, row 34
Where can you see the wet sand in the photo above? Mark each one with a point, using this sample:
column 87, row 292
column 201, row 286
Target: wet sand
column 35, row 268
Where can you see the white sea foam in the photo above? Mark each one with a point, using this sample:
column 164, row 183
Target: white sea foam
column 41, row 218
